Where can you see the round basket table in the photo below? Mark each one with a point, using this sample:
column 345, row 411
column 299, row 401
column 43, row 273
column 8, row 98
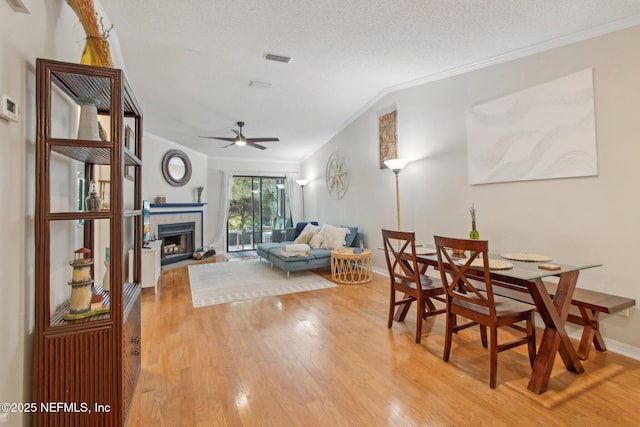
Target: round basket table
column 350, row 268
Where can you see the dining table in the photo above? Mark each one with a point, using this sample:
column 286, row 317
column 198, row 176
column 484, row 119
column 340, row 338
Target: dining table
column 529, row 275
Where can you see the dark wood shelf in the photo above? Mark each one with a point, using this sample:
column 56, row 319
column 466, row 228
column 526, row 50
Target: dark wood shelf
column 94, row 152
column 130, row 292
column 95, row 359
column 84, row 81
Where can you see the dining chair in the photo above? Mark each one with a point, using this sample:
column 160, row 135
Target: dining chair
column 405, row 276
column 469, row 293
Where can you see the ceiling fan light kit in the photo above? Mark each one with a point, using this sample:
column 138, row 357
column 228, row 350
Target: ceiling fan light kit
column 240, row 140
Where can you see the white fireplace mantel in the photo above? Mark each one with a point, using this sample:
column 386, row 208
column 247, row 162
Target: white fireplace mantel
column 172, row 213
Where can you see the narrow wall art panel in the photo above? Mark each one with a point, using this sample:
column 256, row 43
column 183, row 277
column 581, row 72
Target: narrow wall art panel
column 388, row 137
column 544, row 132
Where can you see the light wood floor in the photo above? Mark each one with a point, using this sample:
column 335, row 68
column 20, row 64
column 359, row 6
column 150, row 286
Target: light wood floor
column 326, row 358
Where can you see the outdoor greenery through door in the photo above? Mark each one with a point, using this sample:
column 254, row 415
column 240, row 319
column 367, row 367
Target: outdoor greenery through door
column 258, row 212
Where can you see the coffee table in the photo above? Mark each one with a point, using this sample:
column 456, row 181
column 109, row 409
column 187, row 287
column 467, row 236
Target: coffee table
column 350, row 268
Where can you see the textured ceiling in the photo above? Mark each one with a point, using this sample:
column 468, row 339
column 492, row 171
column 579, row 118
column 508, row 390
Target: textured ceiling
column 190, row 62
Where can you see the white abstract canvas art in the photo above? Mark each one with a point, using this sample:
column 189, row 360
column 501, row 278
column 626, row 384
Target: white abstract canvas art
column 547, row 131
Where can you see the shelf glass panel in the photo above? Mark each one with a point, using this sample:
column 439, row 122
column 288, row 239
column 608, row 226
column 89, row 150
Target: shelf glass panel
column 73, row 259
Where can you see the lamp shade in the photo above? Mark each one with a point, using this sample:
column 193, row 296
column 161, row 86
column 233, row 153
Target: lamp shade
column 396, row 165
column 302, row 182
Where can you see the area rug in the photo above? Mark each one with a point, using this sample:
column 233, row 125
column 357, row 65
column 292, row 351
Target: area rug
column 241, row 255
column 223, row 282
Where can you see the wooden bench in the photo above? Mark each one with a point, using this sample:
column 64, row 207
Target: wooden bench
column 589, row 305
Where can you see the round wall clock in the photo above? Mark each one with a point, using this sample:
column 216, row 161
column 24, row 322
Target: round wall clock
column 337, row 175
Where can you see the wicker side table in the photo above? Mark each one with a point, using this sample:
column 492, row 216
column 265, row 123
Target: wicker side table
column 350, row 268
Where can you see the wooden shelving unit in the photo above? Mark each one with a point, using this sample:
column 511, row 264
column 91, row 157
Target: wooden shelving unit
column 91, row 365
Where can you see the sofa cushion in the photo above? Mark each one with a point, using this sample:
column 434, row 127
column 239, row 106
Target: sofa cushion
column 313, row 254
column 267, row 247
column 351, row 236
column 320, row 253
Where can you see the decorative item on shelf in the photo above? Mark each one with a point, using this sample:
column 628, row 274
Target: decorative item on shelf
column 105, row 193
column 81, row 282
column 88, row 126
column 103, row 133
column 473, row 234
column 199, row 190
column 130, row 144
column 83, row 302
column 96, row 49
column 161, row 199
column 93, row 202
column 106, row 279
column 96, row 302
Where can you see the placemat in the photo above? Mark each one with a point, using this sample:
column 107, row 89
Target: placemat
column 524, row 256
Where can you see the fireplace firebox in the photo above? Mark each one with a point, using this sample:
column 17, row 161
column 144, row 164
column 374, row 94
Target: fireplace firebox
column 177, row 241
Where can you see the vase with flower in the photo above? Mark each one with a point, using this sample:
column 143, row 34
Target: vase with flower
column 473, row 234
column 199, row 190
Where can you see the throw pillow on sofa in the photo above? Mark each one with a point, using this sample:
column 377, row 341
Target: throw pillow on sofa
column 318, row 238
column 301, row 226
column 334, row 237
column 307, row 233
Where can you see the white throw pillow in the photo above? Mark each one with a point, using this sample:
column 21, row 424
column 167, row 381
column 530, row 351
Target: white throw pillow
column 316, row 241
column 307, row 233
column 334, row 237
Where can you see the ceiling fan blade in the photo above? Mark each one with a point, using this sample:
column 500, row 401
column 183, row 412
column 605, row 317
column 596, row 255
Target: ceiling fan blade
column 219, row 138
column 236, row 132
column 262, row 139
column 254, row 145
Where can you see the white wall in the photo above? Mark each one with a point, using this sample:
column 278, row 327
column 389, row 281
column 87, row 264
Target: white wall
column 587, row 219
column 50, row 31
column 153, row 182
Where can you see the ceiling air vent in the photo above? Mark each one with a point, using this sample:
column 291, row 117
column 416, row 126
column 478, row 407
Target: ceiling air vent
column 259, row 85
column 279, row 58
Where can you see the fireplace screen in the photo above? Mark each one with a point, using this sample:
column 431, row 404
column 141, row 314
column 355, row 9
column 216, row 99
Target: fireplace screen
column 177, row 241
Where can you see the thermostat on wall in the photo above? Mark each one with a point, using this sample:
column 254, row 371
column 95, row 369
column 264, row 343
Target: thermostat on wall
column 10, row 109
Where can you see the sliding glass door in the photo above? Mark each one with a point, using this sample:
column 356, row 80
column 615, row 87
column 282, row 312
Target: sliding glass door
column 258, row 212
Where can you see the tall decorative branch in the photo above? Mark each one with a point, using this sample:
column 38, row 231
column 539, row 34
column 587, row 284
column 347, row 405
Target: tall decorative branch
column 96, row 49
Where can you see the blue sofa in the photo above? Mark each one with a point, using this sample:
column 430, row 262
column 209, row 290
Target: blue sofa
column 317, row 259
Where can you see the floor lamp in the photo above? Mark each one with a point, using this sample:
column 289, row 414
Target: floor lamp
column 302, row 183
column 396, row 165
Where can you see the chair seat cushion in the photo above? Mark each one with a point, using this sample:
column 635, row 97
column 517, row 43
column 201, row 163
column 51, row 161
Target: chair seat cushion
column 426, row 282
column 504, row 306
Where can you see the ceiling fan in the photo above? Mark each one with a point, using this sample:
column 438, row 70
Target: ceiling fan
column 240, row 140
